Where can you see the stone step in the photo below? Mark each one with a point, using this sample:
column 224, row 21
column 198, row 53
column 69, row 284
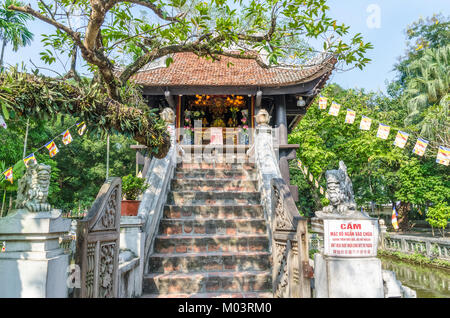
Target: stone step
column 214, row 185
column 211, row 243
column 213, row 212
column 216, row 166
column 213, row 295
column 212, row 226
column 232, row 174
column 176, row 283
column 213, row 198
column 208, row 261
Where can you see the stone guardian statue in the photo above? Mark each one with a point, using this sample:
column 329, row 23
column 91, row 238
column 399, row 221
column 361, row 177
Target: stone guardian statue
column 340, row 193
column 33, row 188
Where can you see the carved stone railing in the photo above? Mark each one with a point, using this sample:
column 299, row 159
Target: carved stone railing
column 431, row 247
column 97, row 251
column 291, row 270
column 158, row 176
column 288, row 234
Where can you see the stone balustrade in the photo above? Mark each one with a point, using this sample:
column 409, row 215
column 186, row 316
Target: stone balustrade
column 287, row 230
column 431, row 247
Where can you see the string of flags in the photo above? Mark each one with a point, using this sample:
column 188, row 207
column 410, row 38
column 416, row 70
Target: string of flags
column 308, row 175
column 51, row 147
column 401, row 139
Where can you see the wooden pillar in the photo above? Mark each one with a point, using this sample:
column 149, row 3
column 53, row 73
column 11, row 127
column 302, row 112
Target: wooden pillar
column 286, row 152
column 281, row 124
column 280, row 118
column 178, row 119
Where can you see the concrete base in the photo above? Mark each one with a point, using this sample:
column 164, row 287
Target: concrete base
column 33, row 264
column 131, row 258
column 347, row 277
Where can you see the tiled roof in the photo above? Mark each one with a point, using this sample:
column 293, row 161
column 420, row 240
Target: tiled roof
column 188, row 69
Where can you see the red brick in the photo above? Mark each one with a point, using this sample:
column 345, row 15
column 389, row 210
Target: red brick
column 213, row 267
column 174, row 229
column 213, row 247
column 197, row 249
column 231, row 231
column 199, row 229
column 230, row 266
column 175, row 214
column 256, row 248
column 187, row 213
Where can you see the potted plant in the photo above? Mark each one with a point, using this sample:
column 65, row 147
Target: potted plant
column 132, row 187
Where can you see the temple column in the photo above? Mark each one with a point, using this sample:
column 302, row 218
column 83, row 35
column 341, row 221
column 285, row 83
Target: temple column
column 286, row 151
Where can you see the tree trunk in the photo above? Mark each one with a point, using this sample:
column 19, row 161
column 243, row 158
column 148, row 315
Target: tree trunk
column 403, row 220
column 3, row 203
column 3, row 52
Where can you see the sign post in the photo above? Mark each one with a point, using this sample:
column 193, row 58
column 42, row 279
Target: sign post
column 348, row 266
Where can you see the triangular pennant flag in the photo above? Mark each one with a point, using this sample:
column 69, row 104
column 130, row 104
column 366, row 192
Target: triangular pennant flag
column 321, row 190
column 4, row 247
column 334, row 109
column 67, row 137
column 311, row 177
column 52, row 149
column 365, row 123
column 299, row 163
column 323, row 102
column 420, row 147
column 394, row 219
column 8, row 173
column 30, row 159
column 443, row 156
column 350, row 117
column 81, row 128
column 2, row 122
column 383, row 131
column 316, row 183
column 401, row 139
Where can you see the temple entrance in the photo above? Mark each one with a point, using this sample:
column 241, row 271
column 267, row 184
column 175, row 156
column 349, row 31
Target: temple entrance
column 216, row 119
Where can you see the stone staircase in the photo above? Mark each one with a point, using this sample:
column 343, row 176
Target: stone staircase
column 212, row 239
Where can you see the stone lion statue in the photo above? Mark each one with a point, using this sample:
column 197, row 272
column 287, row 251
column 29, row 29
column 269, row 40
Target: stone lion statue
column 340, row 192
column 32, row 189
column 168, row 115
column 262, row 117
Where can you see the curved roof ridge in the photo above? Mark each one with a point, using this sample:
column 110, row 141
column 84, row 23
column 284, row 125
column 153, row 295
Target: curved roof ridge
column 188, row 69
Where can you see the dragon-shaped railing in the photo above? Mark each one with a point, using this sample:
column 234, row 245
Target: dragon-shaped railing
column 291, row 272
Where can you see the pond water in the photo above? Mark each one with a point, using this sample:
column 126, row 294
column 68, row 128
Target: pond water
column 428, row 282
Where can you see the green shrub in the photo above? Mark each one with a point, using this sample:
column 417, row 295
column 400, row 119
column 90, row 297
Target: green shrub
column 438, row 216
column 132, row 187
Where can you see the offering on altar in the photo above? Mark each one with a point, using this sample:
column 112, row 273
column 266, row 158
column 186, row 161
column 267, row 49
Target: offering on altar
column 218, row 122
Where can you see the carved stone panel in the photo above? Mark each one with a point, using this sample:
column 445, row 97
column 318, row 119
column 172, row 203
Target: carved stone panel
column 98, row 244
column 290, row 248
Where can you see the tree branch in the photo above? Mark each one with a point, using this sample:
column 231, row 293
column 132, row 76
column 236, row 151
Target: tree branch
column 43, row 97
column 161, row 14
column 27, row 9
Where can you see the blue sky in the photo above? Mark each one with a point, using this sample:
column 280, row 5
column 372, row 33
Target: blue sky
column 388, row 39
